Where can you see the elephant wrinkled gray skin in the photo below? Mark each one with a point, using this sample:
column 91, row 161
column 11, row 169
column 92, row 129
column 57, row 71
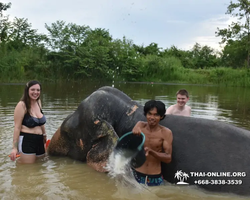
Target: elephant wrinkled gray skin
column 208, row 151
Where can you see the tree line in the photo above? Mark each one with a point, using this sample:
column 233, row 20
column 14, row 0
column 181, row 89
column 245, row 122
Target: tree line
column 71, row 51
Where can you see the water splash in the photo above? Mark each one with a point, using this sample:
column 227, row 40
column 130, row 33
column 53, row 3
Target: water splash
column 120, row 170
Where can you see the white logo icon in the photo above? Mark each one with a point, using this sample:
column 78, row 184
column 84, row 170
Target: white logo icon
column 181, row 176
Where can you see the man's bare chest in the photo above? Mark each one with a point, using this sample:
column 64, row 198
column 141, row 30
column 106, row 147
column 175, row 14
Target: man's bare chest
column 153, row 142
column 180, row 112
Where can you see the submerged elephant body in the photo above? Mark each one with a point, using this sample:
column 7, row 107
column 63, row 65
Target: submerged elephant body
column 205, row 150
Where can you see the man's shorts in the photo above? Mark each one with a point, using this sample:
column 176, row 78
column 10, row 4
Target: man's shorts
column 150, row 180
column 31, row 144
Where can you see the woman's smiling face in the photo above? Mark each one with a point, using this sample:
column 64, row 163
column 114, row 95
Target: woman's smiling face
column 34, row 92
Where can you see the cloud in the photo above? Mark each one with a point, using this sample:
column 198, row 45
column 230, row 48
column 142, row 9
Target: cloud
column 180, row 23
column 205, row 32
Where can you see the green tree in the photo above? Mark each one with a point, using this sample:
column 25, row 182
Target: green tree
column 152, row 49
column 128, row 60
column 140, row 50
column 63, row 36
column 94, row 54
column 21, row 48
column 65, row 42
column 21, row 34
column 3, row 21
column 234, row 53
column 240, row 29
column 186, row 57
column 3, row 7
column 203, row 57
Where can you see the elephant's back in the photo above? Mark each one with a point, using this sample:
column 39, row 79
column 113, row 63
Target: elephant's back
column 202, row 145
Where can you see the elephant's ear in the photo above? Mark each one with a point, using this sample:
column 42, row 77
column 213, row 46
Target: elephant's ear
column 103, row 145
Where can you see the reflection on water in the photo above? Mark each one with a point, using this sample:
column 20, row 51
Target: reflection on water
column 63, row 178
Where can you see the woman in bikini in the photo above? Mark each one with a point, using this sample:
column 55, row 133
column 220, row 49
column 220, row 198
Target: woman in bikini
column 29, row 131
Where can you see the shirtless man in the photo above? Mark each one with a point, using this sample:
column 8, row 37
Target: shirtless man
column 180, row 108
column 157, row 146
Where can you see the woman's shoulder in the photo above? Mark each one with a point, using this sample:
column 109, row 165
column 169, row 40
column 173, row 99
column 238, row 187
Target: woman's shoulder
column 21, row 105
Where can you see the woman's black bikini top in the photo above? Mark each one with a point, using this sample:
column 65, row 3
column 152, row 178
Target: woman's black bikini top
column 32, row 122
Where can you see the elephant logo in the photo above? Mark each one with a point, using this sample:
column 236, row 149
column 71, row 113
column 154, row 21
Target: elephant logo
column 181, row 176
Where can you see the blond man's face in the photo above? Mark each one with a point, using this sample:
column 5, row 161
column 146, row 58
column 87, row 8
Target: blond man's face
column 182, row 100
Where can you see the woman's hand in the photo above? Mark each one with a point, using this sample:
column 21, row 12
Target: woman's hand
column 13, row 154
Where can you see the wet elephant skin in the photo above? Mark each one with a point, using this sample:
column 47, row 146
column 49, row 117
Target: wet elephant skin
column 200, row 146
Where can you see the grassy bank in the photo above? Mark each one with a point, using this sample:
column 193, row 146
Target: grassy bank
column 171, row 70
column 144, row 69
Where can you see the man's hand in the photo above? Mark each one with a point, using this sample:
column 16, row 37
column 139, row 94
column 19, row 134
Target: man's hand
column 137, row 128
column 136, row 131
column 147, row 150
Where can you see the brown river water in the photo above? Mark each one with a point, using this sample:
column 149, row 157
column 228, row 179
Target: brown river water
column 64, row 178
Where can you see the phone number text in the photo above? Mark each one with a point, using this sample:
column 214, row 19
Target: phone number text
column 218, row 182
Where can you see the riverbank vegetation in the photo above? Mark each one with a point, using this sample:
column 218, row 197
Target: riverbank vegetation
column 75, row 52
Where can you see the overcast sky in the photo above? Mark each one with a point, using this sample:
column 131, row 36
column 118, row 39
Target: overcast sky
column 166, row 22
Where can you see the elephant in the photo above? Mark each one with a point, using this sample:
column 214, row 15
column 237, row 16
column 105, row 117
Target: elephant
column 208, row 153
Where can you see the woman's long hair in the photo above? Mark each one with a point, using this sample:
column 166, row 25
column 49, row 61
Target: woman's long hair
column 26, row 98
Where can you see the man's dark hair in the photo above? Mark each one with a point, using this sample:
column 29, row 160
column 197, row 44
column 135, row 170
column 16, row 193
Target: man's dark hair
column 182, row 92
column 160, row 106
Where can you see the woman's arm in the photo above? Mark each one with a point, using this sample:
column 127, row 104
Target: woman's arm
column 43, row 126
column 44, row 134
column 18, row 118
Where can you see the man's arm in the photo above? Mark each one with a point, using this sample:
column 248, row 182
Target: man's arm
column 137, row 128
column 165, row 156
